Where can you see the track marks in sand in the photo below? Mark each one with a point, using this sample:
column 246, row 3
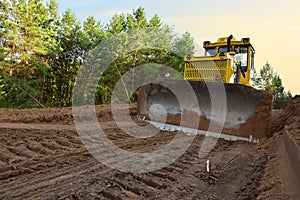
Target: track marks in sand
column 24, row 151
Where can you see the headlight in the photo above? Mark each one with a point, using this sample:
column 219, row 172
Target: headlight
column 222, row 55
column 189, row 57
column 246, row 40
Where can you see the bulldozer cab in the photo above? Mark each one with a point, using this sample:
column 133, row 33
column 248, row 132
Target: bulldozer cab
column 227, row 61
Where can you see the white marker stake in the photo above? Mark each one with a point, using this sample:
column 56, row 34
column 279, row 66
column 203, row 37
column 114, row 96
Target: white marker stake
column 207, row 166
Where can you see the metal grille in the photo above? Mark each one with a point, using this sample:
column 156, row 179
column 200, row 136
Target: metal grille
column 207, row 70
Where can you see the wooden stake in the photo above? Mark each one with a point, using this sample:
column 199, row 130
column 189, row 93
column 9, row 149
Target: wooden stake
column 207, row 166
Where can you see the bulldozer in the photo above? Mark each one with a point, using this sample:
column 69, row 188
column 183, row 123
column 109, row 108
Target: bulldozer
column 216, row 96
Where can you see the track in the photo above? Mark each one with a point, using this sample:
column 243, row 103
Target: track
column 42, row 157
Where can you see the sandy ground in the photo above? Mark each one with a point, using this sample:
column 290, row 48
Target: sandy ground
column 42, row 157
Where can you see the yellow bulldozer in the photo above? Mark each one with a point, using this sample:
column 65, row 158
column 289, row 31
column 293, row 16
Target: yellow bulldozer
column 216, row 95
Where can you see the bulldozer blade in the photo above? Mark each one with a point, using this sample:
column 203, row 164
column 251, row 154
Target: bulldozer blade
column 230, row 109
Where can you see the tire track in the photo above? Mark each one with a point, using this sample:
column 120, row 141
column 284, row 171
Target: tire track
column 58, row 166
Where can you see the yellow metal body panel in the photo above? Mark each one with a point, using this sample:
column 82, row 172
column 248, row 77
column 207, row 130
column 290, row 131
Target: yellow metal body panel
column 208, row 68
column 219, row 67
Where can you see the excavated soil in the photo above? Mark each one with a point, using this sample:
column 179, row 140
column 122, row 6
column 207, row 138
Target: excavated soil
column 42, row 157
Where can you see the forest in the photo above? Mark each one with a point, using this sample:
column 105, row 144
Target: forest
column 42, row 51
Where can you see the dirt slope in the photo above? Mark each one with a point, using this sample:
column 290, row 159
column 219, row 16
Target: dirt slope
column 42, row 157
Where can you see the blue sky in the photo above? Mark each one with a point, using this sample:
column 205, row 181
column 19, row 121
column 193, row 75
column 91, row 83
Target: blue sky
column 272, row 25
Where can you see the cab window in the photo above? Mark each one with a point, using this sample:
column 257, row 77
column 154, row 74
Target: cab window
column 241, row 56
column 211, row 51
column 223, row 49
column 252, row 59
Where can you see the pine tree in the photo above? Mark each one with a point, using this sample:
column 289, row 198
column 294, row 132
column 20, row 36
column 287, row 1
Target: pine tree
column 69, row 38
column 155, row 22
column 117, row 24
column 93, row 33
column 184, row 44
column 271, row 82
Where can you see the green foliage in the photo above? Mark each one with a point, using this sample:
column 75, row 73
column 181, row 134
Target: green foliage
column 270, row 81
column 26, row 42
column 184, row 44
column 43, row 51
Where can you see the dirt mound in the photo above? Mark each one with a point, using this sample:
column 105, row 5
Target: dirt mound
column 288, row 120
column 47, row 115
column 282, row 176
column 287, row 116
column 54, row 115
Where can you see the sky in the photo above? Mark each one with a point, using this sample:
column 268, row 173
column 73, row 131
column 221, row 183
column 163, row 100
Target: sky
column 273, row 26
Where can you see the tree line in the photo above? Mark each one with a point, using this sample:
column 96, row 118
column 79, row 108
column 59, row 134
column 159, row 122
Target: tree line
column 42, row 51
